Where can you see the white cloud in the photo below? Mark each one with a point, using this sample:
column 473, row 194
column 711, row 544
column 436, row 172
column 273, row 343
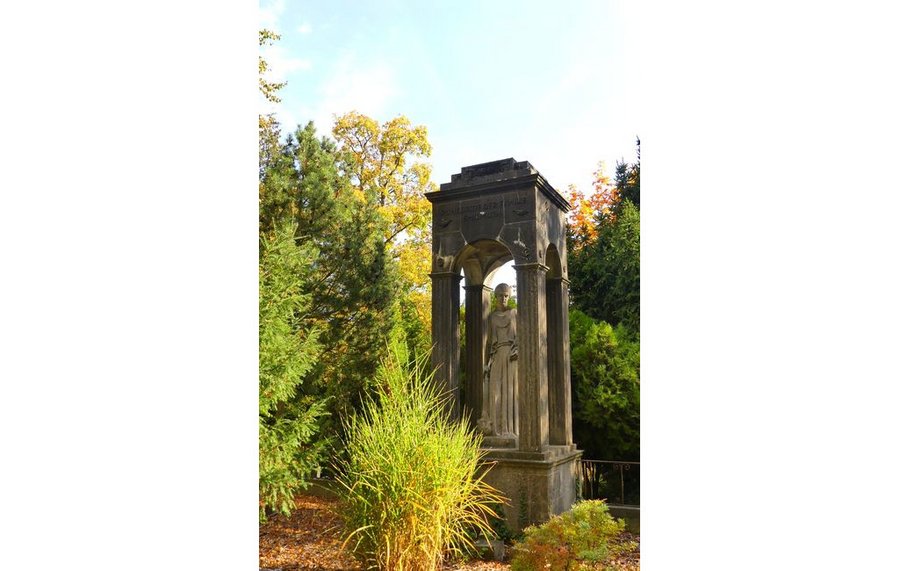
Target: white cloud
column 282, row 68
column 269, row 14
column 366, row 87
column 304, row 28
column 281, row 63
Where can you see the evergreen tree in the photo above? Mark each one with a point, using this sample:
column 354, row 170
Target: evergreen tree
column 606, row 274
column 628, row 180
column 354, row 286
column 289, row 444
column 288, row 350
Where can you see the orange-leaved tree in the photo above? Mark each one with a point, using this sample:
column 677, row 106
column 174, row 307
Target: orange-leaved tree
column 586, row 212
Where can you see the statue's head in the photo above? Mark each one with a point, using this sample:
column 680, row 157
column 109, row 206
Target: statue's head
column 502, row 293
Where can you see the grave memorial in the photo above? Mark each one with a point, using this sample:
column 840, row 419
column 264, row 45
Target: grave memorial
column 487, row 215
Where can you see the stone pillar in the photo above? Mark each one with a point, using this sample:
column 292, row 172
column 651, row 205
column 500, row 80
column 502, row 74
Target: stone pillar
column 558, row 371
column 534, row 431
column 478, row 305
column 445, row 336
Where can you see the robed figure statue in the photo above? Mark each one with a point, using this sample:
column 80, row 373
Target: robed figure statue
column 499, row 413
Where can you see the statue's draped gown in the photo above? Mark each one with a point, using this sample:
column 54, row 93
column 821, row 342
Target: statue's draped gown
column 503, row 383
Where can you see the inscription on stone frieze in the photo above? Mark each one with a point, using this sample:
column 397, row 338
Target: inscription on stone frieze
column 484, row 210
column 487, row 209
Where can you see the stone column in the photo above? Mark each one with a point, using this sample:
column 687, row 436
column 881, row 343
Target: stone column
column 532, row 337
column 445, row 336
column 478, row 305
column 558, row 372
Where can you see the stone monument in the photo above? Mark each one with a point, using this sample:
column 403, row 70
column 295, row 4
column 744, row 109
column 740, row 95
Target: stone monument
column 485, row 216
column 499, row 409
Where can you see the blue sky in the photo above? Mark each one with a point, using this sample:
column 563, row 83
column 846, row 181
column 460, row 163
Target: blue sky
column 538, row 81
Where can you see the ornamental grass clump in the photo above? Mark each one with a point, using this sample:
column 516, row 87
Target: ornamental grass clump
column 577, row 539
column 411, row 489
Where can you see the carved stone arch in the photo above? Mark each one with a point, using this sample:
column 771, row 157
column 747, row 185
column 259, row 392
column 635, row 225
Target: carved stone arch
column 478, row 259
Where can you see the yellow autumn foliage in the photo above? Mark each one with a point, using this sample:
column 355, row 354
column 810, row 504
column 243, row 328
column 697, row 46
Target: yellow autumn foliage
column 382, row 162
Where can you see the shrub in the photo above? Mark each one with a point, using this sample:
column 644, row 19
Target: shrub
column 410, row 486
column 577, row 539
column 606, row 388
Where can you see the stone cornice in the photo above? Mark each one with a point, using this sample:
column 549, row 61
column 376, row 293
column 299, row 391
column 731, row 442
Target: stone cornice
column 450, row 191
column 531, row 266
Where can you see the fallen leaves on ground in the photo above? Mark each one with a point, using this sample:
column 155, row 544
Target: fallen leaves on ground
column 309, row 541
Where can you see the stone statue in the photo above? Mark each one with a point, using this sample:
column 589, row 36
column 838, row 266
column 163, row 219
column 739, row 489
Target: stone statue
column 500, row 409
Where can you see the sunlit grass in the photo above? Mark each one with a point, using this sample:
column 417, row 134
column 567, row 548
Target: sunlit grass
column 411, row 488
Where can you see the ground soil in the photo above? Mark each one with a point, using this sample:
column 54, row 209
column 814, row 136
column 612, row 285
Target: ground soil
column 308, row 541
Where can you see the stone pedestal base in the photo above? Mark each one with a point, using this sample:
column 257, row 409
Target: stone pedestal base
column 537, row 484
column 505, row 442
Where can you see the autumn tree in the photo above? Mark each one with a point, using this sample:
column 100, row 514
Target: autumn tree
column 605, row 270
column 383, row 163
column 268, row 89
column 378, row 158
column 587, row 211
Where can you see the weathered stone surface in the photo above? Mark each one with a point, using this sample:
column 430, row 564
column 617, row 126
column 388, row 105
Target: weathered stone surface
column 445, row 336
column 534, row 427
column 489, row 173
column 478, row 305
column 536, row 489
column 523, row 241
column 486, row 215
column 558, row 364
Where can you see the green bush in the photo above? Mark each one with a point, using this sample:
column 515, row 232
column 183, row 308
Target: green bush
column 411, row 490
column 606, row 388
column 577, row 539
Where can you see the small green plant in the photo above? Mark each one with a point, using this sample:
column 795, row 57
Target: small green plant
column 577, row 539
column 499, row 525
column 410, row 485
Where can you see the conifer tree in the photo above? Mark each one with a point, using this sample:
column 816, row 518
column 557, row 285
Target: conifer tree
column 289, row 448
column 289, row 347
column 355, row 286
